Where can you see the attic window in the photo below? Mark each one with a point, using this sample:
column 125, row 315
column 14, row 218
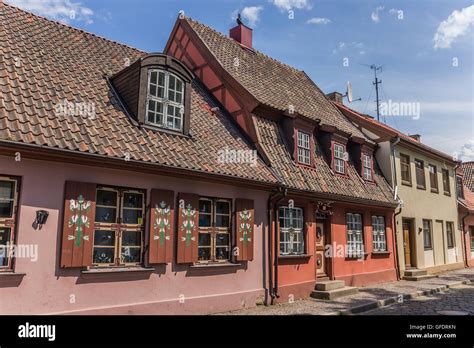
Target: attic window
column 339, row 166
column 165, row 100
column 304, row 153
column 367, row 167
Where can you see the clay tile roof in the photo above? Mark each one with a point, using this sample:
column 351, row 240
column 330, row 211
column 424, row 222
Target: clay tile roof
column 271, row 82
column 358, row 117
column 321, row 179
column 44, row 63
column 468, row 169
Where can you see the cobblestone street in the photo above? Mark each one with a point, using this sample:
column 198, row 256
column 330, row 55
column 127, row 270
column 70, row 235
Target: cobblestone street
column 457, row 297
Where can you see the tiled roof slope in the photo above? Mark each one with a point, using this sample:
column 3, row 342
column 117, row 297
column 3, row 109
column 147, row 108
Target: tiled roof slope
column 358, row 117
column 44, row 62
column 271, row 82
column 320, row 179
column 468, row 169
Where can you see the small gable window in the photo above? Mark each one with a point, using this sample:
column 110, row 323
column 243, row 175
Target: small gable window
column 367, row 167
column 339, row 158
column 304, row 153
column 165, row 100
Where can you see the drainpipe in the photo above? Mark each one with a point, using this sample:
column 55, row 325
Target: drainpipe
column 463, row 225
column 274, row 255
column 269, row 291
column 279, row 195
column 394, row 181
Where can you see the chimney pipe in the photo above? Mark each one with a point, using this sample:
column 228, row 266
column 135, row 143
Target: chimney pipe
column 241, row 33
column 416, row 137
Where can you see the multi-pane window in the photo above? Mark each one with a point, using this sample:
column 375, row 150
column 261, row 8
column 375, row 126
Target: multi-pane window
column 355, row 239
column 378, row 233
column 339, row 158
column 367, row 166
column 304, row 153
column 118, row 227
column 420, row 173
column 405, row 168
column 8, row 207
column 471, row 234
column 446, row 186
column 450, row 234
column 165, row 100
column 427, row 232
column 291, row 231
column 214, row 230
column 433, row 177
column 459, row 187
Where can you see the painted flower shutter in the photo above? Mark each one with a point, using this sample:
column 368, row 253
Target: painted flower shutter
column 244, row 229
column 78, row 226
column 188, row 223
column 161, row 229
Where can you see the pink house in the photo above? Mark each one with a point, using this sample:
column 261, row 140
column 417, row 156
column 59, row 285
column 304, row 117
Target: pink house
column 128, row 188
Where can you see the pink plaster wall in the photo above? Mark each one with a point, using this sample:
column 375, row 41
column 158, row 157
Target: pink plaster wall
column 46, row 288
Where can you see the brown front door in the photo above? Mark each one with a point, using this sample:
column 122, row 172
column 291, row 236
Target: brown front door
column 406, row 243
column 320, row 259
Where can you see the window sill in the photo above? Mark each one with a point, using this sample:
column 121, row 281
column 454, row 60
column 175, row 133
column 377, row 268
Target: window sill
column 165, row 130
column 381, row 253
column 296, row 256
column 11, row 274
column 215, row 265
column 447, row 194
column 434, row 191
column 108, row 270
column 357, row 256
column 421, row 187
column 406, row 183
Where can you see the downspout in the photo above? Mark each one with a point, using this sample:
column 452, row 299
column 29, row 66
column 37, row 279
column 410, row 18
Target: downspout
column 274, row 257
column 269, row 291
column 463, row 225
column 395, row 240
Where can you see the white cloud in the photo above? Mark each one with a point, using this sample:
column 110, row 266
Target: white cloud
column 251, row 14
column 286, row 5
column 350, row 46
column 375, row 14
column 317, row 20
column 457, row 24
column 467, row 152
column 62, row 10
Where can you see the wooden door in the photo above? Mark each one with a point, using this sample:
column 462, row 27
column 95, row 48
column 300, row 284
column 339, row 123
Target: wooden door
column 406, row 244
column 319, row 249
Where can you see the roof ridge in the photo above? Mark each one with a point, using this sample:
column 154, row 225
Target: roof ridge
column 252, row 48
column 15, row 8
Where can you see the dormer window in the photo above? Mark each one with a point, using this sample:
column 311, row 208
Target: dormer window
column 165, row 100
column 367, row 167
column 339, row 165
column 304, row 152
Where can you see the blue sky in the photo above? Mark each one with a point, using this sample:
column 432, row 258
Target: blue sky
column 332, row 41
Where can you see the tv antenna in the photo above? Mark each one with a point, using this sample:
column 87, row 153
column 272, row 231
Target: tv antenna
column 376, row 83
column 348, row 94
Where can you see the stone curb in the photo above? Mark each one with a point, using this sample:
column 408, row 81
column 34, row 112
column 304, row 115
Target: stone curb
column 391, row 300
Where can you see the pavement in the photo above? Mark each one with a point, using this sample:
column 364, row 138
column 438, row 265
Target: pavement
column 450, row 291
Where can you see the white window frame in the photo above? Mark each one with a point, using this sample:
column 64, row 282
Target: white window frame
column 339, row 162
column 304, row 148
column 379, row 237
column 291, row 222
column 355, row 234
column 367, row 166
column 165, row 101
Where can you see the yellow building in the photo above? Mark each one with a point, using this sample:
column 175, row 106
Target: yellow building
column 428, row 238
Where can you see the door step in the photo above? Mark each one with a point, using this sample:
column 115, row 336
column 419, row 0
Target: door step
column 417, row 274
column 332, row 289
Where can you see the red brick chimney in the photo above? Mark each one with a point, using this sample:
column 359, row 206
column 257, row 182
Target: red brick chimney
column 241, row 33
